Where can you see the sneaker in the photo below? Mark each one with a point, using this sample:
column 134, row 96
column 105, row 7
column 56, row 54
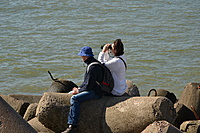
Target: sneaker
column 70, row 129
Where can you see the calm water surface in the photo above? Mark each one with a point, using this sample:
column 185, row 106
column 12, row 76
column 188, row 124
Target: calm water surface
column 161, row 38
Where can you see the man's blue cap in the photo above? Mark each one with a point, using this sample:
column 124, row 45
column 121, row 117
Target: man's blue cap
column 86, row 51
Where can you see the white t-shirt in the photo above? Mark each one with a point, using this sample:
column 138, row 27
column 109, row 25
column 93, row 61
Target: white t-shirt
column 118, row 70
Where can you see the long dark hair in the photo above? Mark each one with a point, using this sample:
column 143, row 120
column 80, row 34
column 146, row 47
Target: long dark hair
column 118, row 47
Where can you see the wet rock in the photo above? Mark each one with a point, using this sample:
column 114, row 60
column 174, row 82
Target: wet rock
column 183, row 114
column 190, row 126
column 130, row 114
column 38, row 126
column 61, row 86
column 132, row 89
column 30, row 112
column 11, row 121
column 19, row 106
column 161, row 127
column 190, row 97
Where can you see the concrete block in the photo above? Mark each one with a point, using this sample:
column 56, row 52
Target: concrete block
column 105, row 115
column 38, row 126
column 190, row 126
column 11, row 121
column 161, row 127
column 19, row 106
column 27, row 98
column 183, row 114
column 30, row 112
column 190, row 97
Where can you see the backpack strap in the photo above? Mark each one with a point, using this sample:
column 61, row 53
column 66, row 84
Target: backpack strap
column 123, row 61
column 92, row 64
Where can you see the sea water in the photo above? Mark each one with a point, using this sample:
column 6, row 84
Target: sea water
column 161, row 40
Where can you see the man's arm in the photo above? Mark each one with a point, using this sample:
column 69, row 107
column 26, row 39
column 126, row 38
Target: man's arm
column 91, row 78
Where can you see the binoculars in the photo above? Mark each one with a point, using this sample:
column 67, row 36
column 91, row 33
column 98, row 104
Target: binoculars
column 104, row 45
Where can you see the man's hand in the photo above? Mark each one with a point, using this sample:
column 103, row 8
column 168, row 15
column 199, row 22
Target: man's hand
column 75, row 91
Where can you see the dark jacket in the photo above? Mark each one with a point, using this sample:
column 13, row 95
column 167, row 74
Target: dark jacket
column 94, row 74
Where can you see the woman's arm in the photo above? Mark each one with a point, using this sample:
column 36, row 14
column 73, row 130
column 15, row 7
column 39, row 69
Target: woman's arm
column 103, row 57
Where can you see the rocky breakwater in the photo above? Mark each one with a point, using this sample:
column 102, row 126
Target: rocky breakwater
column 48, row 113
column 109, row 114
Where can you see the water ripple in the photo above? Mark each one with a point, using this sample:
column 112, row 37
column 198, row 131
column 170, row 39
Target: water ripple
column 161, row 40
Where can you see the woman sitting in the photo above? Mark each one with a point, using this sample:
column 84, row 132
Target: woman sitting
column 117, row 65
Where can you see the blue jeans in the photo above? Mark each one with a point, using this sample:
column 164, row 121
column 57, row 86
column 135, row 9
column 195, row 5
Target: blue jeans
column 75, row 101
